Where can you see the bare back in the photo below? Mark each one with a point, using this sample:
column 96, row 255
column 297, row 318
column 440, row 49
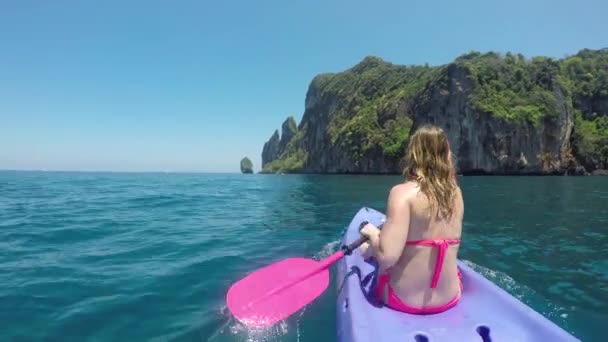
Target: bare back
column 411, row 275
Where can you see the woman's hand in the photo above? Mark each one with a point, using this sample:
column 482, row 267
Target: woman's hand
column 366, row 252
column 371, row 232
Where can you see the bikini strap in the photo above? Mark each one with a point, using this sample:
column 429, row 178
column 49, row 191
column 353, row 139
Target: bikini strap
column 442, row 244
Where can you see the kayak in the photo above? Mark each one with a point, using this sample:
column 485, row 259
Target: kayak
column 485, row 312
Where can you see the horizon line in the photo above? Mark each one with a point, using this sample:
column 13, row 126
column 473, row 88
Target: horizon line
column 117, row 171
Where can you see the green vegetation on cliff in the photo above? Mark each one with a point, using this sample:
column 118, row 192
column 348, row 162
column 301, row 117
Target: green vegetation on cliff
column 291, row 160
column 370, row 95
column 511, row 87
column 587, row 75
column 590, row 141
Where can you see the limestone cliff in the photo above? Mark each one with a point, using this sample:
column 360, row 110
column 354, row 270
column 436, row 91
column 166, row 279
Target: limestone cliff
column 503, row 115
column 354, row 122
column 485, row 143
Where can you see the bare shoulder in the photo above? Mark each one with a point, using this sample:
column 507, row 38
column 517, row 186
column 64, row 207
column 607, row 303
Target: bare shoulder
column 404, row 192
column 459, row 193
column 459, row 200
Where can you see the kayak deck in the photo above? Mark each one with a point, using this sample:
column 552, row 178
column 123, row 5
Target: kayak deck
column 485, row 312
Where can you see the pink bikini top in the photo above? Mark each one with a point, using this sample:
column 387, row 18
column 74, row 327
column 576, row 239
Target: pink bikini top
column 443, row 246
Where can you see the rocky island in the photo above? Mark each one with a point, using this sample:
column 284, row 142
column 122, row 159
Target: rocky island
column 504, row 114
column 246, row 165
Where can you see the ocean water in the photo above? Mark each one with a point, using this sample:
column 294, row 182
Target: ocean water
column 149, row 257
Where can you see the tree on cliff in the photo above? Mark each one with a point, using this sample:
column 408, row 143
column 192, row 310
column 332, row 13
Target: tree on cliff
column 246, row 165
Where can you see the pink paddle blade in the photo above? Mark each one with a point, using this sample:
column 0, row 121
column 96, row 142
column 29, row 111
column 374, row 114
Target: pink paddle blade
column 276, row 291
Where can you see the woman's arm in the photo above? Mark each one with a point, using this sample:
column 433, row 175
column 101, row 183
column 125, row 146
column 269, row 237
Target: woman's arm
column 388, row 243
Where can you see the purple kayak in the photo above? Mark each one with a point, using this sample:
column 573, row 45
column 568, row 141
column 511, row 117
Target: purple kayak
column 485, row 311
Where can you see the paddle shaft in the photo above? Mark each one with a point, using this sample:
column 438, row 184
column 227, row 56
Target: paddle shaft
column 345, row 250
column 348, row 249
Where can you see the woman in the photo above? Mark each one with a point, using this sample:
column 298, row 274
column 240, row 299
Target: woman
column 425, row 214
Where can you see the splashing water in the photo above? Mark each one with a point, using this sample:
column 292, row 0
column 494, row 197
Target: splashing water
column 327, row 250
column 276, row 332
column 232, row 330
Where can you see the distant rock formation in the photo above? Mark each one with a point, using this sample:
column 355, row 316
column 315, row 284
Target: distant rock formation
column 503, row 115
column 270, row 151
column 288, row 131
column 246, row 165
column 275, row 147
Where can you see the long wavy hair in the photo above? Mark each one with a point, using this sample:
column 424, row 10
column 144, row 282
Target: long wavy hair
column 428, row 162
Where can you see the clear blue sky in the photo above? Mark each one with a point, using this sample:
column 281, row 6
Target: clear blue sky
column 197, row 85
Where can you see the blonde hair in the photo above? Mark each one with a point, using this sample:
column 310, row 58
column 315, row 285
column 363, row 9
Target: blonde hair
column 428, row 161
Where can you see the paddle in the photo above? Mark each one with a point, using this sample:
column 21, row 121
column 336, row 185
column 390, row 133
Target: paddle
column 276, row 291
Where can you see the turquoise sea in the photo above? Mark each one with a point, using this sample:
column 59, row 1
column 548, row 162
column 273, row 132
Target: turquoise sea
column 150, row 256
